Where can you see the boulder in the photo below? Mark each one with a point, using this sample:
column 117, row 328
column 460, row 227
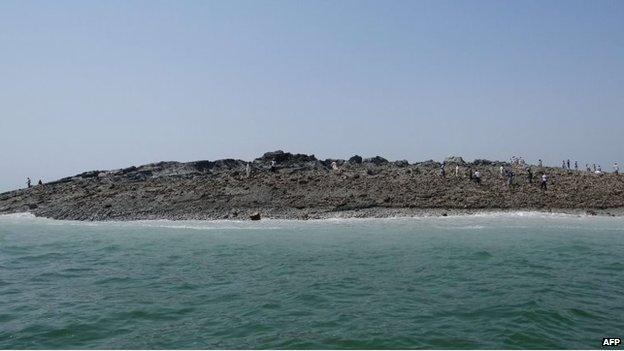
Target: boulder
column 377, row 160
column 255, row 216
column 356, row 159
column 273, row 155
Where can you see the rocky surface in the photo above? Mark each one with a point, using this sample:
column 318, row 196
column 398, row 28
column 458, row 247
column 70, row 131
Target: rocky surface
column 301, row 186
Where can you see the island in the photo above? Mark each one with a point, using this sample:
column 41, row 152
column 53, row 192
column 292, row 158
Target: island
column 298, row 186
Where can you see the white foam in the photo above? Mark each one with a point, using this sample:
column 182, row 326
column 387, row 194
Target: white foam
column 18, row 215
column 475, row 221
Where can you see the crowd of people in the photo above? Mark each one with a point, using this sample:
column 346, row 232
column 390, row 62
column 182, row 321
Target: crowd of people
column 597, row 169
column 508, row 174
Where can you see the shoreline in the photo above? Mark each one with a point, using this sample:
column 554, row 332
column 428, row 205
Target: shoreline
column 363, row 214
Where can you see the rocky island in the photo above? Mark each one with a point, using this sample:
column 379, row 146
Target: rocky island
column 298, row 186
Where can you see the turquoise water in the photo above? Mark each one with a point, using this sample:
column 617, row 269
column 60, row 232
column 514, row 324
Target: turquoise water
column 494, row 281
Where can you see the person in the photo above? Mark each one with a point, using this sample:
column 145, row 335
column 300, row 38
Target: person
column 442, row 171
column 587, row 168
column 539, row 162
column 477, row 177
column 334, row 166
column 28, row 182
column 40, row 182
column 272, row 166
column 544, row 181
column 510, row 176
column 456, row 171
column 594, row 165
column 576, row 165
column 563, row 164
column 248, row 170
column 568, row 163
column 501, row 170
column 616, row 168
column 529, row 175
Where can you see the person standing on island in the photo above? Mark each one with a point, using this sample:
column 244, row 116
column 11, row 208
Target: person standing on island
column 510, row 176
column 248, row 170
column 442, row 171
column 501, row 170
column 544, row 181
column 568, row 163
column 587, row 168
column 529, row 175
column 539, row 162
column 576, row 165
column 334, row 166
column 28, row 182
column 594, row 165
column 477, row 177
column 563, row 164
column 616, row 168
column 456, row 171
column 40, row 182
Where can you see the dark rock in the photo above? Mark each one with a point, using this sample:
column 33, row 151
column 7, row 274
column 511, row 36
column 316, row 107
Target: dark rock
column 255, row 216
column 229, row 163
column 128, row 170
column 377, row 160
column 280, row 157
column 201, row 165
column 90, row 174
column 429, row 163
column 277, row 155
column 355, row 160
column 482, row 162
column 226, row 164
column 62, row 180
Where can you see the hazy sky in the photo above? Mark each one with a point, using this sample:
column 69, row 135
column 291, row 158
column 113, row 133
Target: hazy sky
column 108, row 84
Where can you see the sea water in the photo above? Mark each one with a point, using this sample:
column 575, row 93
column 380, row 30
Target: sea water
column 521, row 280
